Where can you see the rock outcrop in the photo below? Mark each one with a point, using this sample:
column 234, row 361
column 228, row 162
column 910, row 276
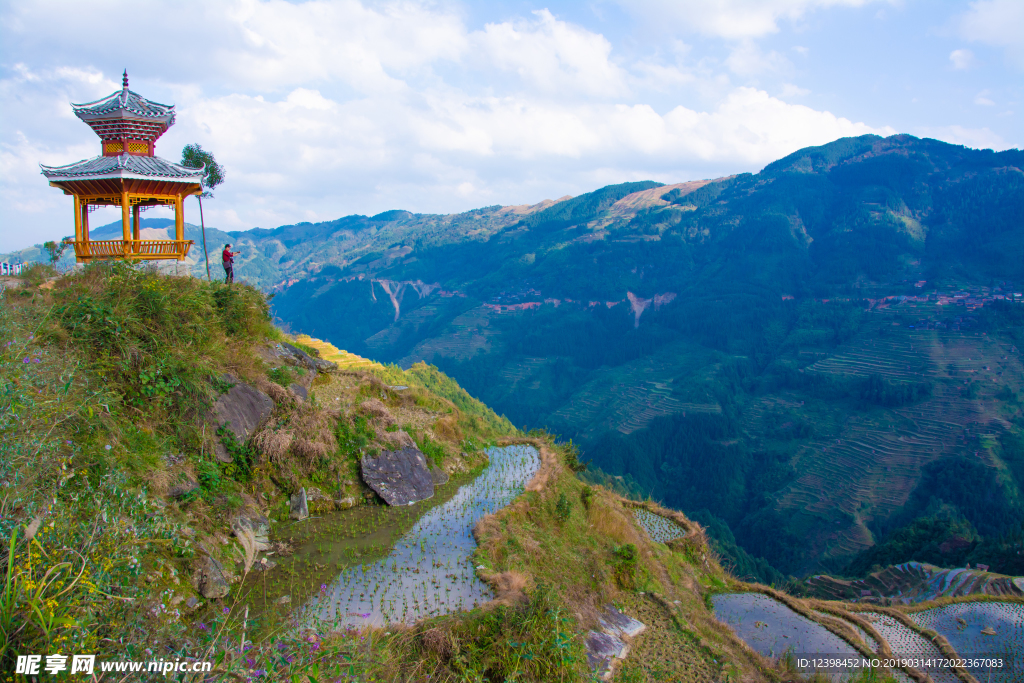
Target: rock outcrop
column 290, row 354
column 439, row 476
column 399, row 477
column 298, row 505
column 208, row 577
column 609, row 644
column 243, row 409
column 253, row 524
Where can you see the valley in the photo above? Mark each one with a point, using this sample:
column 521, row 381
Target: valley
column 826, row 333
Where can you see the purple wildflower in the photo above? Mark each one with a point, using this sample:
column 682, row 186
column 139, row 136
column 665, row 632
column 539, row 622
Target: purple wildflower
column 226, row 610
column 25, row 359
column 202, row 626
column 314, row 647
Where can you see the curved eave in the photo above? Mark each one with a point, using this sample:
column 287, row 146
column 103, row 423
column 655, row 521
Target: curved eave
column 114, row 102
column 124, row 175
column 124, row 167
column 105, row 187
column 124, row 115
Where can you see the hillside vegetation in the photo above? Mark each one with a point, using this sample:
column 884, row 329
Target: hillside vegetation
column 117, row 510
column 756, row 318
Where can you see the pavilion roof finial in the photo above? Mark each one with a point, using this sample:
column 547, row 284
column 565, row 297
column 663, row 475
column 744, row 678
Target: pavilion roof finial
column 124, row 80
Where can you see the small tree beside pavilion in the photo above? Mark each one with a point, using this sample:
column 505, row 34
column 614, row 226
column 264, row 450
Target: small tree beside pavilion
column 194, row 156
column 127, row 174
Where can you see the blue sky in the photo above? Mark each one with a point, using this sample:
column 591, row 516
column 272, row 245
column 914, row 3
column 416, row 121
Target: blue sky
column 323, row 109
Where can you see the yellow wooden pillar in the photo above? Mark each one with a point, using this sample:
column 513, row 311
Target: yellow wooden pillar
column 136, row 228
column 78, row 228
column 85, row 227
column 126, row 234
column 78, row 219
column 179, row 226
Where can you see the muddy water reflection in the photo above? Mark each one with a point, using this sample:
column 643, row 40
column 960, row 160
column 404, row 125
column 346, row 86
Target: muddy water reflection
column 429, row 571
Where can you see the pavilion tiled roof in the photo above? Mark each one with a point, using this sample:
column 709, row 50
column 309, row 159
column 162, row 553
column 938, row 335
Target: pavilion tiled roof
column 126, row 114
column 124, row 166
column 127, row 101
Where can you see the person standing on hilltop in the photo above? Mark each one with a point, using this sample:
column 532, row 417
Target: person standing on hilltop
column 229, row 263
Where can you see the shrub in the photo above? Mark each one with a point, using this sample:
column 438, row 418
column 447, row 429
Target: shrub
column 563, row 508
column 282, row 376
column 586, row 496
column 571, row 454
column 626, row 558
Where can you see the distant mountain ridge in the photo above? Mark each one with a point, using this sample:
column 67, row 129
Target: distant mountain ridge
column 716, row 344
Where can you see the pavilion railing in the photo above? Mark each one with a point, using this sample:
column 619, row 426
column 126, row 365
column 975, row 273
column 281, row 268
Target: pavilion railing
column 132, row 249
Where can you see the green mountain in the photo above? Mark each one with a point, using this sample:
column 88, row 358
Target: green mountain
column 736, row 348
column 728, row 346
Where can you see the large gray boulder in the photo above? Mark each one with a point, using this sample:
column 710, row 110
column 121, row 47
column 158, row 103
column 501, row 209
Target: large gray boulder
column 617, row 623
column 243, row 409
column 606, row 646
column 256, row 524
column 298, row 505
column 439, row 476
column 602, row 649
column 208, row 577
column 399, row 477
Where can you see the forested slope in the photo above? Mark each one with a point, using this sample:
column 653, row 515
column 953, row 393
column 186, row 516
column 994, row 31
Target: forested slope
column 735, row 347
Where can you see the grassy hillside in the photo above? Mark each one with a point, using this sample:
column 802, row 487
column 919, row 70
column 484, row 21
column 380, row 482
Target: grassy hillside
column 115, row 504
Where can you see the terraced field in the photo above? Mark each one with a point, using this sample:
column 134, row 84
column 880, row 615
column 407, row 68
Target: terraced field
column 864, row 463
column 966, row 641
column 466, row 335
column 344, row 359
column 525, row 371
column 628, row 397
column 893, row 357
column 916, row 582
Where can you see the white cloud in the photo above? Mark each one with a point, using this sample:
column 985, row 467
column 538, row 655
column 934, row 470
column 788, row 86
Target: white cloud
column 999, row 23
column 552, row 55
column 322, row 109
column 982, row 99
column 961, row 59
column 730, row 19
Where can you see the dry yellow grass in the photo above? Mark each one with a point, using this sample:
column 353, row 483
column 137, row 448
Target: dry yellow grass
column 375, row 409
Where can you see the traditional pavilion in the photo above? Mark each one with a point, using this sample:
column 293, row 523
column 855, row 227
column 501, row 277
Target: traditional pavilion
column 127, row 174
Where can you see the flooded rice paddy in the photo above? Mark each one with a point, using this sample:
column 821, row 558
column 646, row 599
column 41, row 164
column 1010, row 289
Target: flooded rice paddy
column 977, row 631
column 962, row 625
column 771, row 628
column 904, row 643
column 660, row 529
column 429, row 570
